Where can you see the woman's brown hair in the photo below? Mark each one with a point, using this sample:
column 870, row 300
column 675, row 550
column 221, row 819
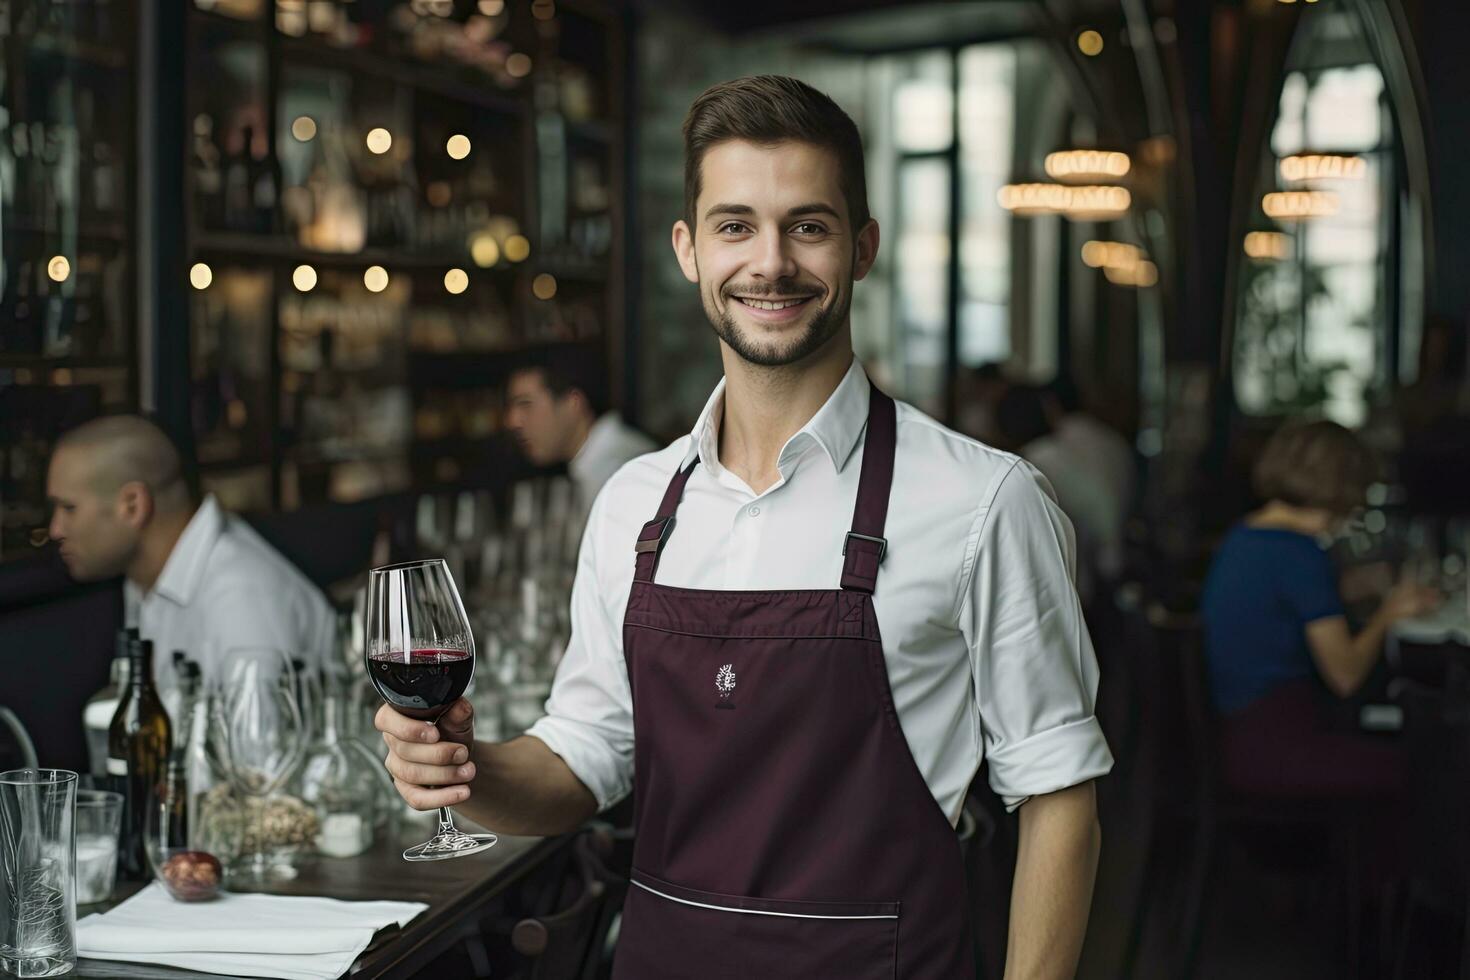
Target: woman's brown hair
column 1315, row 464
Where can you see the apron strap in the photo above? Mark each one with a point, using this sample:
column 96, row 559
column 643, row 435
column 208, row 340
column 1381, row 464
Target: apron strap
column 865, row 546
column 651, row 539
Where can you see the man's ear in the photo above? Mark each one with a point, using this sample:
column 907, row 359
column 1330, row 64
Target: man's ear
column 866, row 252
column 683, row 239
column 135, row 505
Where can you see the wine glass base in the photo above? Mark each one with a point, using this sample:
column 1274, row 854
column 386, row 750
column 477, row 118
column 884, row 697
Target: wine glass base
column 450, row 845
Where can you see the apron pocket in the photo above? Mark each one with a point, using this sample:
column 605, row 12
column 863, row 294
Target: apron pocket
column 673, row 931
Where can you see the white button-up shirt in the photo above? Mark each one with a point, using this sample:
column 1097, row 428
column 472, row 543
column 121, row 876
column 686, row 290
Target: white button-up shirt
column 987, row 652
column 610, row 443
column 222, row 587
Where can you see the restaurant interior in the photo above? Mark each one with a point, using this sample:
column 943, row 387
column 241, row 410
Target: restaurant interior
column 314, row 239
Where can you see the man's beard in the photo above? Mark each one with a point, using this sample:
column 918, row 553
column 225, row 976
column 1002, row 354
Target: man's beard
column 820, row 328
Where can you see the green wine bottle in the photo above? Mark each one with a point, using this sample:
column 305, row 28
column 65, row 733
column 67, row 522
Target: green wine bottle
column 138, row 746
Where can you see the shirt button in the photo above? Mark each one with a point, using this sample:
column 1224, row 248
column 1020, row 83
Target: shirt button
column 754, row 512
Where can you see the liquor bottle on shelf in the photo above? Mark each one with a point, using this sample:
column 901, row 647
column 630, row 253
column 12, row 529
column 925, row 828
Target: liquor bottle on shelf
column 239, row 207
column 138, row 748
column 208, row 174
column 265, row 184
column 100, row 707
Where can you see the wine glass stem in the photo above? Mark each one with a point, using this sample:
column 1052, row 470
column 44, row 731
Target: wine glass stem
column 446, row 822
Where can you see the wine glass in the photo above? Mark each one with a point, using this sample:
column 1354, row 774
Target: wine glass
column 257, row 734
column 420, row 655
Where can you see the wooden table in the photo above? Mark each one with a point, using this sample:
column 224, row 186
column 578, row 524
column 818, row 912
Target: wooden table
column 455, row 891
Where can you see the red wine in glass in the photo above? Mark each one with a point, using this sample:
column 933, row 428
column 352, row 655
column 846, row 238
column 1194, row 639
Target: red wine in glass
column 420, row 654
column 423, row 683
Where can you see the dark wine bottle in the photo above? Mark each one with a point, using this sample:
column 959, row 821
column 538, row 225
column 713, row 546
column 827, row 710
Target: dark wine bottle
column 138, row 750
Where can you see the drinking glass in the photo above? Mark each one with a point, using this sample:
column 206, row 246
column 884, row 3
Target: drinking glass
column 99, row 822
column 420, row 655
column 38, row 912
column 256, row 736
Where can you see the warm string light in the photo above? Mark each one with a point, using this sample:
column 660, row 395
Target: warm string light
column 59, row 268
column 375, row 278
column 458, row 146
column 303, row 277
column 1267, row 245
column 1323, row 166
column 1299, row 205
column 303, row 128
column 1090, row 43
column 544, row 286
column 379, row 140
column 1104, row 255
column 517, row 248
column 1087, row 165
column 1142, row 274
column 1121, row 263
column 456, row 281
column 1085, row 202
column 200, row 275
column 484, row 251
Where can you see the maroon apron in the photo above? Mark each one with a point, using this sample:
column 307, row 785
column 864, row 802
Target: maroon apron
column 783, row 828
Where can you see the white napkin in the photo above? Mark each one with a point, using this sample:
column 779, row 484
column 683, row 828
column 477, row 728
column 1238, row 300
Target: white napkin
column 286, row 936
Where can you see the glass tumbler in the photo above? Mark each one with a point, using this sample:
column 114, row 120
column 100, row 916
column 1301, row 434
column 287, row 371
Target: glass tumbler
column 99, row 822
column 38, row 912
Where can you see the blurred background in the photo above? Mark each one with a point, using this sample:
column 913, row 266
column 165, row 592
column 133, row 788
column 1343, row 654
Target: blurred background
column 313, row 238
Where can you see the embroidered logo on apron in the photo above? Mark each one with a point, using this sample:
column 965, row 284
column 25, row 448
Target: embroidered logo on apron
column 725, row 684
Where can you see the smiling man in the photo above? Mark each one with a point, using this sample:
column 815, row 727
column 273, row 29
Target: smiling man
column 799, row 629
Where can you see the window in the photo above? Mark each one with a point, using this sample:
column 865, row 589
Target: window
column 1315, row 320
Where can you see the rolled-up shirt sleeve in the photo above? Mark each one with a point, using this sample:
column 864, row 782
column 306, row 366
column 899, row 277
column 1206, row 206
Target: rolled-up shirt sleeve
column 589, row 715
column 1034, row 669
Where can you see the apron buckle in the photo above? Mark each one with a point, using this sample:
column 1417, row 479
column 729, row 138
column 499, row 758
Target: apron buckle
column 665, row 525
column 882, row 543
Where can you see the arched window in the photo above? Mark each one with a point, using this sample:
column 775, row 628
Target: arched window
column 1322, row 283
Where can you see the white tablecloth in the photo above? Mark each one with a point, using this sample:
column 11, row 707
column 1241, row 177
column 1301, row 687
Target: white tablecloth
column 287, row 936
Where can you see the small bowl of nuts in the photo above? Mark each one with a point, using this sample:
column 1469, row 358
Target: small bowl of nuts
column 189, row 876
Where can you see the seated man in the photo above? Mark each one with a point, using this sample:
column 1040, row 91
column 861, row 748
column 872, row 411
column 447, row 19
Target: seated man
column 198, row 579
column 1277, row 640
column 558, row 412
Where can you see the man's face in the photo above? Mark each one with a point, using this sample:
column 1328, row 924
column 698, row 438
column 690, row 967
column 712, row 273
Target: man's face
column 96, row 532
column 773, row 250
column 543, row 424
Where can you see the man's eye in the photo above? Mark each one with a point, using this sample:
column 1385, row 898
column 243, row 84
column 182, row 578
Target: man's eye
column 809, row 228
column 731, row 228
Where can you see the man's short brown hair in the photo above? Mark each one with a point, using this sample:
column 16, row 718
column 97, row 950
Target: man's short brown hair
column 770, row 109
column 1315, row 464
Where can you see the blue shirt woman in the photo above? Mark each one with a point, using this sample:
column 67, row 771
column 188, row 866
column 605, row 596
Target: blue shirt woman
column 1265, row 585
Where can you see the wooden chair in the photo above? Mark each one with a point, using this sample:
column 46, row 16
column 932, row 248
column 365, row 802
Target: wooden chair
column 569, row 944
column 1193, row 802
column 1437, row 733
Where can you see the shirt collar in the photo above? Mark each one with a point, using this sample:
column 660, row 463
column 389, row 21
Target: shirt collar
column 185, row 565
column 837, row 426
column 599, row 439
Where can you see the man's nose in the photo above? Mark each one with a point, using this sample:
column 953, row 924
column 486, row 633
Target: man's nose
column 773, row 259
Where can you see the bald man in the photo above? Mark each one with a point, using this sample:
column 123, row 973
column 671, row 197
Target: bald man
column 197, row 579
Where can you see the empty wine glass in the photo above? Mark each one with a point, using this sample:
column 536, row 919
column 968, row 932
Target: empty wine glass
column 421, row 657
column 256, row 736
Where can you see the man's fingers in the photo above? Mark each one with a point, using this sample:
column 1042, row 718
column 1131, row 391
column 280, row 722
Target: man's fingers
column 425, row 775
column 425, row 798
column 459, row 720
column 438, row 754
column 403, row 727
